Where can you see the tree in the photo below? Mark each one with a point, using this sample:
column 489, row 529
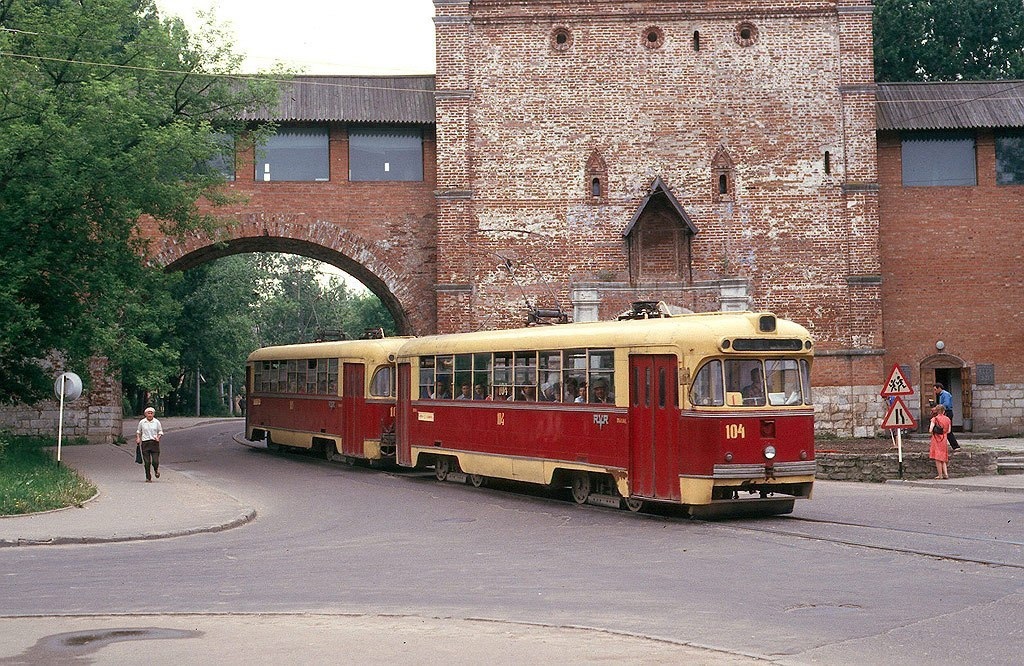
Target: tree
column 948, row 40
column 107, row 114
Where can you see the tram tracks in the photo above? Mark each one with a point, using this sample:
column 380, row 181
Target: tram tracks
column 968, row 549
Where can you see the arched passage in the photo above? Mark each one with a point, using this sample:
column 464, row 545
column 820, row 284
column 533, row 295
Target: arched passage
column 955, row 375
column 404, row 298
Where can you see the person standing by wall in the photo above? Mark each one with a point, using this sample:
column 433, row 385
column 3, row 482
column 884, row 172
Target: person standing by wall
column 937, row 451
column 945, row 399
column 148, row 434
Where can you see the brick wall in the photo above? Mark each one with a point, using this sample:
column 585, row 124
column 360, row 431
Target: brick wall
column 952, row 260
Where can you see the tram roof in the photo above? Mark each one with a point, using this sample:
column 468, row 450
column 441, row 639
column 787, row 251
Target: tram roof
column 701, row 330
column 378, row 347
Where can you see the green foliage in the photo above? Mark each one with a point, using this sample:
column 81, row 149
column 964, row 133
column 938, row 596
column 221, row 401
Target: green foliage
column 105, row 112
column 31, row 480
column 948, row 40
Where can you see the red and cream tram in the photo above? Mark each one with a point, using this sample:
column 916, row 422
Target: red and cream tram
column 711, row 411
column 337, row 398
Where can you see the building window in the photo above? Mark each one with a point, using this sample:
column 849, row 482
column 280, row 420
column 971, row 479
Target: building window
column 724, row 173
column 385, row 153
column 938, row 159
column 597, row 176
column 696, row 40
column 828, row 162
column 1010, row 158
column 295, row 153
column 223, row 162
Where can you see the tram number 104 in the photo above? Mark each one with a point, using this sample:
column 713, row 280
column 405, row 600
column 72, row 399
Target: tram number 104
column 735, row 431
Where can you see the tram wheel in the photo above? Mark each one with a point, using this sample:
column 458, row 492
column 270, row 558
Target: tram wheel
column 329, row 450
column 477, row 480
column 634, row 504
column 441, row 468
column 273, row 446
column 580, row 487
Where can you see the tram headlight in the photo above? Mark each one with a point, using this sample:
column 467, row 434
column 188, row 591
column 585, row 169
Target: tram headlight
column 769, row 452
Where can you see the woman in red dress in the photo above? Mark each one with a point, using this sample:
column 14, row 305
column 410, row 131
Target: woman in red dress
column 939, row 449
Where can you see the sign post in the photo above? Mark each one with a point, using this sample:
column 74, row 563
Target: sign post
column 898, row 416
column 68, row 386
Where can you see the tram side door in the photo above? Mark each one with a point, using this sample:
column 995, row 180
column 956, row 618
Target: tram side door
column 654, row 426
column 352, row 401
column 403, row 451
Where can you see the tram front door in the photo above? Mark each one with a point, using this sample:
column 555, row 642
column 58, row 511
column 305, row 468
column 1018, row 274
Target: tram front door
column 654, row 426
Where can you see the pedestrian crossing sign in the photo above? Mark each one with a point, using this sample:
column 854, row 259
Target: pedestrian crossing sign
column 898, row 417
column 897, row 384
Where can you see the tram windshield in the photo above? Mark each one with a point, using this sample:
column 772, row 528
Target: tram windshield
column 751, row 383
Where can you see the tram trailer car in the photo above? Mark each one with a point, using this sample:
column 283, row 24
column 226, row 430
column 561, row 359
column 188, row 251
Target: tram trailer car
column 336, row 398
column 709, row 411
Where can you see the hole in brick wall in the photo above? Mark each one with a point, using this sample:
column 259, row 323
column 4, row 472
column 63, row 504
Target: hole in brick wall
column 828, row 162
column 746, row 34
column 561, row 39
column 723, row 184
column 696, row 40
column 595, row 187
column 653, row 37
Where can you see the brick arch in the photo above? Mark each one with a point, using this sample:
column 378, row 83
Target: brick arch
column 320, row 240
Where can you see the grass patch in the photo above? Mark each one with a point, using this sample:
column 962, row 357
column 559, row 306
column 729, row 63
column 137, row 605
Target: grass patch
column 31, row 480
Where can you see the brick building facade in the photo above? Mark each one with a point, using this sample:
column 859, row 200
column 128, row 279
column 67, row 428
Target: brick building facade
column 714, row 155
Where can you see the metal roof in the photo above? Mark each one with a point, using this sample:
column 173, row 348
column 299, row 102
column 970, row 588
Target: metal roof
column 369, row 99
column 952, row 105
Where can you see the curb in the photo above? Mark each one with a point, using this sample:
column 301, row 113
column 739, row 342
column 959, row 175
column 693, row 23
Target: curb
column 60, row 541
column 966, row 487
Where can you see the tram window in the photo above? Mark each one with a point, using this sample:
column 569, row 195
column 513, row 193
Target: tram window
column 482, row 376
column 526, row 376
column 574, row 375
column 322, row 377
column 744, row 382
column 550, row 376
column 805, row 374
column 602, row 375
column 647, row 387
column 783, row 382
column 310, row 376
column 463, row 376
column 501, row 387
column 634, row 387
column 661, row 388
column 444, row 377
column 707, row 386
column 332, row 376
column 293, row 376
column 382, row 385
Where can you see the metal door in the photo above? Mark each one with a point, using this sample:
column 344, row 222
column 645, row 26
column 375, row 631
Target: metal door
column 352, row 401
column 654, row 426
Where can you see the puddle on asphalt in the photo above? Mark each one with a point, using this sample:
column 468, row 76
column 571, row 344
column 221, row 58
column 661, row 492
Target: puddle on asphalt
column 76, row 647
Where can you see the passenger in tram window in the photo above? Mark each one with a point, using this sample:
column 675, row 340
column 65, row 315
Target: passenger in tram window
column 528, row 394
column 571, row 390
column 581, row 393
column 549, row 392
column 464, row 393
column 601, row 394
column 441, row 392
column 480, row 392
column 753, row 393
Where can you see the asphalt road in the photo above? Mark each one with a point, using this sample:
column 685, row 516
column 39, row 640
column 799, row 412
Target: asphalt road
column 862, row 573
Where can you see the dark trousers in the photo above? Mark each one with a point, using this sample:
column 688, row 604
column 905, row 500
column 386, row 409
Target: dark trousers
column 150, row 455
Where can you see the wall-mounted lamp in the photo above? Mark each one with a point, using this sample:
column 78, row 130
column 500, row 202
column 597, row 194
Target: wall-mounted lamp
column 940, row 345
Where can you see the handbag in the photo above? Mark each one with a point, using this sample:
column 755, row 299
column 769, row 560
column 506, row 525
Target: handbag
column 138, row 453
column 937, row 429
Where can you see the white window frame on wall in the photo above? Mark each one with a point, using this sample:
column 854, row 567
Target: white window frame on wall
column 295, row 153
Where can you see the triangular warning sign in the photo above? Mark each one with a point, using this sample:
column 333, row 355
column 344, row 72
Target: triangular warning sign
column 897, row 384
column 898, row 416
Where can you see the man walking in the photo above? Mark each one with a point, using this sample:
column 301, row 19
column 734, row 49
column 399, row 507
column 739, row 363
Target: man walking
column 148, row 434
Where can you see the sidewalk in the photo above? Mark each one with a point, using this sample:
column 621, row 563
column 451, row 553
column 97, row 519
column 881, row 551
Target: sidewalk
column 126, row 508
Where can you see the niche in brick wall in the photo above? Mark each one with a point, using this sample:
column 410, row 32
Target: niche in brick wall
column 723, row 177
column 659, row 239
column 596, row 177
